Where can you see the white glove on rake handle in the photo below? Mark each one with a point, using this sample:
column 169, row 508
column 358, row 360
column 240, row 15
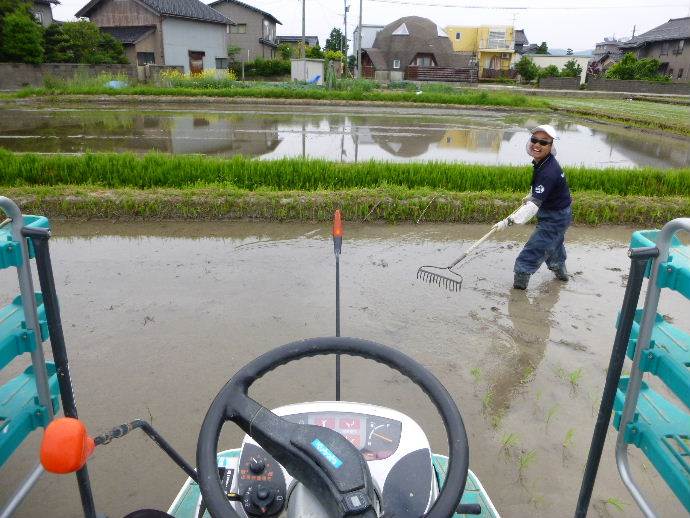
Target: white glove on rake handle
column 520, row 216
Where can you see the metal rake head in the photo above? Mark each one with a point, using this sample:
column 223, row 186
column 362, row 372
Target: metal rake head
column 444, row 277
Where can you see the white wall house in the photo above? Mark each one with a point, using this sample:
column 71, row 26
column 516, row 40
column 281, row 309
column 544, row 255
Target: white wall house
column 544, row 60
column 182, row 38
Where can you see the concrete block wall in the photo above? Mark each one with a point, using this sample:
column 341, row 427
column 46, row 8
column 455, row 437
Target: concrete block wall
column 14, row 76
column 560, row 83
column 646, row 87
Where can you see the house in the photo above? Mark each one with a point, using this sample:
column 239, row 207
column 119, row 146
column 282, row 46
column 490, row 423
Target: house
column 369, row 33
column 669, row 43
column 493, row 47
column 411, row 46
column 610, row 47
column 185, row 33
column 254, row 32
column 43, row 12
column 295, row 42
column 520, row 42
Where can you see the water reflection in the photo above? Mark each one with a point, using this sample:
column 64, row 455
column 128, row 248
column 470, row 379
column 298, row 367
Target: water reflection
column 400, row 135
column 532, row 321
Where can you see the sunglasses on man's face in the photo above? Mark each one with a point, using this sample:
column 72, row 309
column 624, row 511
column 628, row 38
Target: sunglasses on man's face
column 535, row 140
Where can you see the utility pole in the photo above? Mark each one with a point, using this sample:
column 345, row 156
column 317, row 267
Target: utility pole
column 343, row 41
column 304, row 40
column 359, row 43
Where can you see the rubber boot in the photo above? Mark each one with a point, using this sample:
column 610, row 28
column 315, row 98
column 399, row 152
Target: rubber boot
column 521, row 280
column 560, row 272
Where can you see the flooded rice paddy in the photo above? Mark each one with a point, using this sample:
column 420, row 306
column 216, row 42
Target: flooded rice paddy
column 158, row 316
column 348, row 134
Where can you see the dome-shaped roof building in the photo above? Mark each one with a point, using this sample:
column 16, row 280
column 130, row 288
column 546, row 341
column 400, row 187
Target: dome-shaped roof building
column 411, row 41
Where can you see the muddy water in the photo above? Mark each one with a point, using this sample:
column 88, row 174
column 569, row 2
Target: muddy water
column 345, row 134
column 158, row 317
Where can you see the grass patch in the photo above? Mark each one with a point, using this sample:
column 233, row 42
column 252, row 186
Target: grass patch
column 178, row 171
column 646, row 114
column 390, row 204
column 469, row 97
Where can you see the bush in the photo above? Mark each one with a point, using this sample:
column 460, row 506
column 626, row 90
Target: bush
column 550, row 71
column 527, row 69
column 85, row 43
column 207, row 79
column 263, row 68
column 22, row 39
column 571, row 69
column 632, row 68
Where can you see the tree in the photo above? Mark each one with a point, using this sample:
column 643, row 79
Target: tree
column 632, row 68
column 9, row 7
column 314, row 52
column 550, row 71
column 22, row 38
column 571, row 69
column 336, row 41
column 233, row 53
column 284, row 50
column 543, row 48
column 90, row 45
column 527, row 69
column 57, row 45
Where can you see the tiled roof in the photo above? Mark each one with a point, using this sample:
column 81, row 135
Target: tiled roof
column 251, row 7
column 129, row 35
column 189, row 9
column 674, row 29
column 520, row 38
column 311, row 40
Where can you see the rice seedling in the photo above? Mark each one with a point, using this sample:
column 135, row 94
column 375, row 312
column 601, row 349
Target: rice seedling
column 525, row 460
column 476, row 373
column 568, row 440
column 487, row 400
column 617, row 504
column 504, row 182
column 550, row 414
column 575, row 377
column 508, row 442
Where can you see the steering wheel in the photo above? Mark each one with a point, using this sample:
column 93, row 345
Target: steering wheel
column 324, row 461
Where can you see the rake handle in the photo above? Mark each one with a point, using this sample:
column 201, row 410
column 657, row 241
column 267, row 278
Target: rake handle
column 484, row 238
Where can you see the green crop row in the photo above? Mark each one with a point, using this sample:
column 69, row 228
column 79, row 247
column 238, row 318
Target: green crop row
column 160, row 170
column 392, row 204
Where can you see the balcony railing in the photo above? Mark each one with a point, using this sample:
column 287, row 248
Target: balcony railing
column 496, row 44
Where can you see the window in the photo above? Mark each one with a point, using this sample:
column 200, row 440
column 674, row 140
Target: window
column 401, row 31
column 39, row 17
column 222, row 63
column 396, row 63
column 146, row 58
column 497, row 39
column 457, row 36
column 680, row 73
column 679, row 47
column 424, row 60
column 240, row 28
column 670, row 73
column 664, row 48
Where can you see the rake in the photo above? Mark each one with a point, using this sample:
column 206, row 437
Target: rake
column 444, row 276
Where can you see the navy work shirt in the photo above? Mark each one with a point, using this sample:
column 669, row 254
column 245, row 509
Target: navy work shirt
column 549, row 187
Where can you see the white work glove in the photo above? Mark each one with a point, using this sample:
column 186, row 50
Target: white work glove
column 502, row 225
column 524, row 213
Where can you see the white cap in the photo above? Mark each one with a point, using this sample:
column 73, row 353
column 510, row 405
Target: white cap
column 548, row 129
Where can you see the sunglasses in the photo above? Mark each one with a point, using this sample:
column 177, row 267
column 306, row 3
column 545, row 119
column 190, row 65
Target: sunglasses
column 535, row 140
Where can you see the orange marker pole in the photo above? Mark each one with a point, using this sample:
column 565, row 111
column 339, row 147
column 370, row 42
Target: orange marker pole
column 337, row 247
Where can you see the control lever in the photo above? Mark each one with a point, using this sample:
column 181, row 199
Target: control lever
column 469, row 509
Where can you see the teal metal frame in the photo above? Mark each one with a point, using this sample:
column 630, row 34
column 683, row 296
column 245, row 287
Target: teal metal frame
column 643, row 417
column 31, row 399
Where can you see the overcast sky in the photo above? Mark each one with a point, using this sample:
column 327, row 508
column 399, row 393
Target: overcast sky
column 565, row 24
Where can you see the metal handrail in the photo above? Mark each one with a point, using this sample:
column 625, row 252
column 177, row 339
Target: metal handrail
column 26, row 290
column 663, row 244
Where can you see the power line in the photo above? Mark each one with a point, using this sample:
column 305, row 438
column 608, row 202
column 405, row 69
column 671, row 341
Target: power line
column 529, row 8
